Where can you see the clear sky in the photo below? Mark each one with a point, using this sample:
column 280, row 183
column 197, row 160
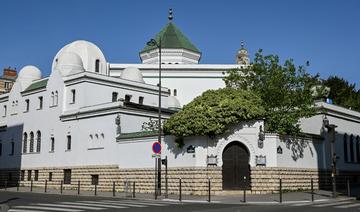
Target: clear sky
column 326, row 33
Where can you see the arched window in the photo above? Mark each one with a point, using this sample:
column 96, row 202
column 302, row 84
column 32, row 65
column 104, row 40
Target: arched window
column 358, row 149
column 352, row 158
column 345, row 148
column 38, row 141
column 97, row 66
column 56, row 97
column 25, row 143
column 52, row 99
column 31, row 142
column 114, row 96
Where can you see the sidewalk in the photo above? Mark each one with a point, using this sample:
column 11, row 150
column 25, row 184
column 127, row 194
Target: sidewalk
column 287, row 197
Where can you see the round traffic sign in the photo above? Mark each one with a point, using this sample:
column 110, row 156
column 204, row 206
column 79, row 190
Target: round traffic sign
column 156, row 147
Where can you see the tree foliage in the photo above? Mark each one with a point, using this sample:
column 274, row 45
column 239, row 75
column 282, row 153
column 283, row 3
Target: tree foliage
column 343, row 93
column 210, row 113
column 285, row 91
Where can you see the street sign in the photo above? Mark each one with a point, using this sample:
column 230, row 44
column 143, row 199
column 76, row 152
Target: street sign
column 156, row 156
column 156, row 147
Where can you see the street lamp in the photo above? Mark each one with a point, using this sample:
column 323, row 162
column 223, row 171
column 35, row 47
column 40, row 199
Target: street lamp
column 157, row 44
column 331, row 137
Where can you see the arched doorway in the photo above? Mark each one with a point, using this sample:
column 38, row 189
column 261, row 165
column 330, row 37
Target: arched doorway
column 235, row 167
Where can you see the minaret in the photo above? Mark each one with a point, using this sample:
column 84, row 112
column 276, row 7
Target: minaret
column 242, row 56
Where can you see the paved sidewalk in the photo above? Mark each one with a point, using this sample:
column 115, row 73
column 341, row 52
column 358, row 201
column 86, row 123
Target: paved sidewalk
column 287, row 197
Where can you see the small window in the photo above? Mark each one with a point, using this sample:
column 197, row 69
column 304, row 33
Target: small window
column 50, row 176
column 127, row 98
column 52, row 144
column 68, row 145
column 73, row 96
column 141, row 100
column 52, row 99
column 29, row 175
column 22, row 175
column 97, row 66
column 27, row 105
column 0, row 149
column 67, row 176
column 95, row 179
column 358, row 149
column 36, row 177
column 10, row 176
column 56, row 97
column 12, row 148
column 25, row 143
column 352, row 157
column 31, row 142
column 7, row 85
column 38, row 141
column 114, row 96
column 40, row 102
column 5, row 111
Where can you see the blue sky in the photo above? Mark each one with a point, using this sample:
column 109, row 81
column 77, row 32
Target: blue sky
column 327, row 33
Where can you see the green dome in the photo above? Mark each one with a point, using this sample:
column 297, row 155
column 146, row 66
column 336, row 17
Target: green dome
column 172, row 38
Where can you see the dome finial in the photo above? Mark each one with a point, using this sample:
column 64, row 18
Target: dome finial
column 170, row 17
column 242, row 44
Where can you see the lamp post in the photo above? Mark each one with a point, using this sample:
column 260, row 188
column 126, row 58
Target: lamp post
column 333, row 157
column 157, row 44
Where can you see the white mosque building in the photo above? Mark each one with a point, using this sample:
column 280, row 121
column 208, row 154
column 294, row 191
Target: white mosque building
column 85, row 123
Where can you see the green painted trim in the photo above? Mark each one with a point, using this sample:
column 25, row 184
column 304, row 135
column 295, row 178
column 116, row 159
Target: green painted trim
column 187, row 77
column 37, row 85
column 140, row 134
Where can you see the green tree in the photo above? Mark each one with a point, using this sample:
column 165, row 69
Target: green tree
column 212, row 112
column 343, row 93
column 285, row 91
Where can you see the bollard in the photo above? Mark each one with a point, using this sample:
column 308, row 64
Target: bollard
column 45, row 186
column 348, row 187
column 244, row 196
column 5, row 184
column 78, row 188
column 180, row 199
column 166, row 187
column 113, row 189
column 95, row 191
column 280, row 191
column 61, row 187
column 133, row 190
column 209, row 187
column 312, row 190
column 31, row 185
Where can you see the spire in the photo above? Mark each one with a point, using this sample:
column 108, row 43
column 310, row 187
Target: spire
column 170, row 17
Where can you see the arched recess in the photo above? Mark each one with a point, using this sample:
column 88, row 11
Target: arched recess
column 236, row 168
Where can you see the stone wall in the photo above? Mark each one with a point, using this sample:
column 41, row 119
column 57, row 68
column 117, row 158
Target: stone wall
column 194, row 180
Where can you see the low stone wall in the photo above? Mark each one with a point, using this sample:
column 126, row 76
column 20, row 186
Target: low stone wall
column 194, row 180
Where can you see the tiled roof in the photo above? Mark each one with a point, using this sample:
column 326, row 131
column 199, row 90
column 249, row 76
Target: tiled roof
column 37, row 85
column 172, row 38
column 137, row 134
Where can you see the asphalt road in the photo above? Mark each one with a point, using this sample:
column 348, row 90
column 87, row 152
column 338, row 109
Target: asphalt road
column 31, row 202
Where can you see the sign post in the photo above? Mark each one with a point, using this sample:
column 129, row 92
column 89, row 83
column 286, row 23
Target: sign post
column 156, row 148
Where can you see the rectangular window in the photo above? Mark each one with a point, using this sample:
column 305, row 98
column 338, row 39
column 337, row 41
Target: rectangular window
column 114, row 96
column 5, row 111
column 73, row 94
column 52, row 144
column 22, row 175
column 95, row 179
column 50, row 176
column 0, row 149
column 10, row 176
column 67, row 176
column 36, row 177
column 40, row 102
column 12, row 150
column 27, row 107
column 7, row 85
column 141, row 100
column 29, row 175
column 97, row 66
column 68, row 145
column 127, row 98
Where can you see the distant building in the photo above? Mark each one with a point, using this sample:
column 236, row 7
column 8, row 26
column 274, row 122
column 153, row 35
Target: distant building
column 7, row 80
